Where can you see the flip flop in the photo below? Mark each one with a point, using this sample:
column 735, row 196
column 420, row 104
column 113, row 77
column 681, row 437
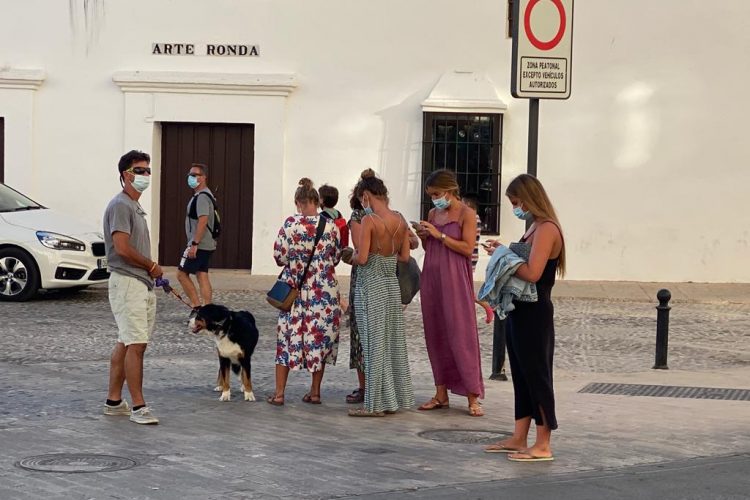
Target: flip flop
column 530, row 458
column 499, row 448
column 313, row 400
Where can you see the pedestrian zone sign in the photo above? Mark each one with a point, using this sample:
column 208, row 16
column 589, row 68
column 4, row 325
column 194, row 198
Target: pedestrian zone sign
column 542, row 48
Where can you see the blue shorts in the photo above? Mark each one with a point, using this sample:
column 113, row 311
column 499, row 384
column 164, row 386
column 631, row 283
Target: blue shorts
column 197, row 265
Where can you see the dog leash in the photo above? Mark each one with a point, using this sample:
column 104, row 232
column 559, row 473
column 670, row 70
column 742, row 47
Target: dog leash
column 163, row 283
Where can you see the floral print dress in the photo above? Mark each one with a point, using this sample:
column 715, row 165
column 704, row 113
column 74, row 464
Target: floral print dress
column 308, row 334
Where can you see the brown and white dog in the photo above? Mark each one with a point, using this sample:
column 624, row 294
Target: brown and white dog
column 236, row 336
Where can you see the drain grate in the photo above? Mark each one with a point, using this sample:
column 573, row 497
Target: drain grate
column 668, row 391
column 464, row 436
column 72, row 463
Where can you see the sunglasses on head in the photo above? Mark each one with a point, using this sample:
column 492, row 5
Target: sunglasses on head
column 140, row 170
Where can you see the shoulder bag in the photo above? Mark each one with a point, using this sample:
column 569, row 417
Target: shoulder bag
column 282, row 295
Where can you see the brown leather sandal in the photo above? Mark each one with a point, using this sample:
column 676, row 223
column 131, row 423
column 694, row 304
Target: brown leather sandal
column 309, row 398
column 272, row 399
column 434, row 404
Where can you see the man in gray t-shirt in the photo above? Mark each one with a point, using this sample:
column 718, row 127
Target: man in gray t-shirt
column 199, row 224
column 131, row 287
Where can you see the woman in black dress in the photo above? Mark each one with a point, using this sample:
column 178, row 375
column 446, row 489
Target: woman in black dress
column 530, row 329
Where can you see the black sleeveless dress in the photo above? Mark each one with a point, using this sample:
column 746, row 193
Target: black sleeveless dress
column 531, row 346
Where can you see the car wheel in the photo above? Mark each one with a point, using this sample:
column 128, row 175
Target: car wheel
column 19, row 278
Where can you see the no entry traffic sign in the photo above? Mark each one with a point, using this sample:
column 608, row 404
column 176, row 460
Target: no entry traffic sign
column 542, row 48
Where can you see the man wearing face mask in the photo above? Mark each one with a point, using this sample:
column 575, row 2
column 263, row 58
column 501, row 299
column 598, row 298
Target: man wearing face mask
column 131, row 287
column 199, row 224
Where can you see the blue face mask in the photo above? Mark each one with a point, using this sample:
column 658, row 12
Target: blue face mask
column 141, row 182
column 368, row 209
column 193, row 182
column 518, row 212
column 442, row 203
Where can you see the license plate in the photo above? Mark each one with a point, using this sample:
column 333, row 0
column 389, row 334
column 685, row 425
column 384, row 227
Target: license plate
column 101, row 263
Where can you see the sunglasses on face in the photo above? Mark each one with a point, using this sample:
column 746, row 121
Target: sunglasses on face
column 191, row 174
column 140, row 170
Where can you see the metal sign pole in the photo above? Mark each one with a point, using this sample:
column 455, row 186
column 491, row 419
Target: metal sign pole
column 533, row 136
column 533, row 141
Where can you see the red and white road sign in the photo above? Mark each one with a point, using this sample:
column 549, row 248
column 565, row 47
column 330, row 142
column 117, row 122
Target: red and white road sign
column 542, row 48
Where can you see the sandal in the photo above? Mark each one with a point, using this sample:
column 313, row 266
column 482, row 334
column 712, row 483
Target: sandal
column 434, row 404
column 361, row 412
column 309, row 398
column 357, row 396
column 272, row 399
column 475, row 410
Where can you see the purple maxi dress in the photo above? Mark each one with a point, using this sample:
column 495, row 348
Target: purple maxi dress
column 450, row 322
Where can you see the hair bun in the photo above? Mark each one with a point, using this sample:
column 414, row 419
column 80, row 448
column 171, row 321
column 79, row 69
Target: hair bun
column 367, row 173
column 306, row 183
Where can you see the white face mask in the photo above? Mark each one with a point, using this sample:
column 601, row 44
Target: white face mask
column 141, row 182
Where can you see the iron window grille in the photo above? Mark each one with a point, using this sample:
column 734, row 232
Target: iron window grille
column 469, row 145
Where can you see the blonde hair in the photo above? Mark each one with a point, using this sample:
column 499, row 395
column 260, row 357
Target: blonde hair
column 531, row 193
column 306, row 192
column 444, row 180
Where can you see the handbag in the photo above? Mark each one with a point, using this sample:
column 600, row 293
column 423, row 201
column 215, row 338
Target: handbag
column 282, row 295
column 409, row 276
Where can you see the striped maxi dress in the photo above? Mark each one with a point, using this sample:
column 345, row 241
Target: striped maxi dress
column 380, row 320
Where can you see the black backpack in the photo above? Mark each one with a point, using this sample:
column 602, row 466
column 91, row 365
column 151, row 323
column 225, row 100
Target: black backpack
column 193, row 213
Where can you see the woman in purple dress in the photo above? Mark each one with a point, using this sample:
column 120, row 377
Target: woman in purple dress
column 447, row 290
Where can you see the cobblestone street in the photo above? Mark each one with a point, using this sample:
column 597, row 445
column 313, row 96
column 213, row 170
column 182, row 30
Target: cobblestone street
column 592, row 335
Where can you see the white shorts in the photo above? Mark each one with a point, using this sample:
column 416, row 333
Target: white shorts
column 134, row 307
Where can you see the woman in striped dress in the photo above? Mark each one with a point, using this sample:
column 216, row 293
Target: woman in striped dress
column 377, row 302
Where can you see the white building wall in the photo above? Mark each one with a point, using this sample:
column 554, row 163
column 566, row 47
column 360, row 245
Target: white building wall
column 644, row 163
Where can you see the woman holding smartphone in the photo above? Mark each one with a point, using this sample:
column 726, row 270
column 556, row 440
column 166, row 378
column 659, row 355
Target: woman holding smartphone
column 447, row 290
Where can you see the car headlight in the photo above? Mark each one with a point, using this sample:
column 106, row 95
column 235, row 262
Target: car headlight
column 59, row 241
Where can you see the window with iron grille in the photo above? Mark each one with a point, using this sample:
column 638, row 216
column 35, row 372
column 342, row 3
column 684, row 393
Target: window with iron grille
column 469, row 145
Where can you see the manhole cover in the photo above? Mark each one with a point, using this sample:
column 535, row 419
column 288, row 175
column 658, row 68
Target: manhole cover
column 72, row 463
column 464, row 436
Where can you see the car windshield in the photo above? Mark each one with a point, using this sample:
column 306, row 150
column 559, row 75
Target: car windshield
column 13, row 201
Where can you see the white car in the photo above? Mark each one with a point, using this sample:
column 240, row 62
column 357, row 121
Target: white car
column 44, row 249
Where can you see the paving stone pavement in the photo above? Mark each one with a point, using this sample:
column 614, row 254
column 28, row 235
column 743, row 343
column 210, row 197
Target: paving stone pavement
column 53, row 372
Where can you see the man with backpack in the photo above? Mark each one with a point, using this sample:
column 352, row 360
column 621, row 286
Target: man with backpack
column 202, row 228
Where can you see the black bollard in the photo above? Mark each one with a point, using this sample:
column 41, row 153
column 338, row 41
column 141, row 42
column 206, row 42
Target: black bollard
column 662, row 329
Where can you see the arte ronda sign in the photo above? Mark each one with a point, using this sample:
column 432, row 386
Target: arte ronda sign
column 206, row 49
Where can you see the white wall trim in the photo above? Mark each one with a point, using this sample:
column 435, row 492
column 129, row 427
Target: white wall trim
column 24, row 79
column 464, row 91
column 206, row 83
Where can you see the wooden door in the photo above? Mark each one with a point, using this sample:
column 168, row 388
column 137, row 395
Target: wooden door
column 228, row 151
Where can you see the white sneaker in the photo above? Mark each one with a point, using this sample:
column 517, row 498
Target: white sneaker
column 121, row 409
column 143, row 416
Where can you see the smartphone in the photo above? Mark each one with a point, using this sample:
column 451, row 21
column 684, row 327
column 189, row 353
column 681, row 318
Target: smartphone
column 416, row 225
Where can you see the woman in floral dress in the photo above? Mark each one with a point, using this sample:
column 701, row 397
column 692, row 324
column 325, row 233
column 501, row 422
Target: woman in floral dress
column 308, row 334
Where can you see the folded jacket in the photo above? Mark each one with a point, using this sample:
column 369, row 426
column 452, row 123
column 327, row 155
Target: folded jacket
column 501, row 286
